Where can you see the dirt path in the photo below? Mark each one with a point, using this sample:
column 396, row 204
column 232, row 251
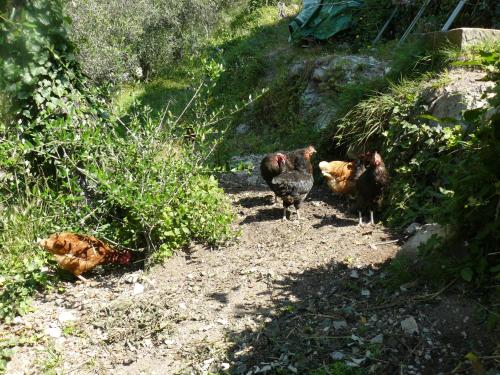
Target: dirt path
column 289, row 296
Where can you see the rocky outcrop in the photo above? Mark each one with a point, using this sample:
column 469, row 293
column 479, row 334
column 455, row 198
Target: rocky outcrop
column 329, row 74
column 464, row 91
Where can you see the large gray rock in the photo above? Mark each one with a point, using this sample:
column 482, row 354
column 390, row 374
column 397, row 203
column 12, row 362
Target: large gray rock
column 465, row 91
column 317, row 103
column 462, row 37
column 421, row 234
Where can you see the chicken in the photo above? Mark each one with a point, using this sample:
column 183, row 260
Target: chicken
column 370, row 186
column 341, row 176
column 276, row 163
column 292, row 187
column 78, row 254
column 271, row 166
column 301, row 159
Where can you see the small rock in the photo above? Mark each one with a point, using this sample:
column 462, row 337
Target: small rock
column 355, row 362
column 412, row 228
column 421, row 236
column 337, row 356
column 138, row 289
column 66, row 316
column 182, row 306
column 223, row 322
column 127, row 361
column 54, row 332
column 409, row 326
column 242, row 129
column 132, row 278
column 339, row 324
column 379, row 339
column 365, row 292
column 224, row 366
column 354, row 274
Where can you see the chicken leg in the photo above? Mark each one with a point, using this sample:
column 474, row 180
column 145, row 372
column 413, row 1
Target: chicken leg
column 298, row 214
column 284, row 214
column 360, row 224
column 372, row 221
column 86, row 281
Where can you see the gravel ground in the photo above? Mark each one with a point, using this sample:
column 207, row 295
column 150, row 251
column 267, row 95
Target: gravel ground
column 287, row 297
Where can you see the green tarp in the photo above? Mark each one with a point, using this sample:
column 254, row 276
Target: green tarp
column 322, row 19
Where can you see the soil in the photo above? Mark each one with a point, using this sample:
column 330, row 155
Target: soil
column 287, row 297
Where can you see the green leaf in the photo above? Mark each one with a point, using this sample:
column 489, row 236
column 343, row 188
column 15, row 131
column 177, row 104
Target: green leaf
column 467, row 273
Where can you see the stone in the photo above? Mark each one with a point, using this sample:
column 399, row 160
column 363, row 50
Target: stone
column 337, row 356
column 412, row 228
column 379, row 339
column 296, row 70
column 66, row 316
column 138, row 289
column 242, row 129
column 409, row 326
column 339, row 324
column 53, row 331
column 465, row 91
column 421, row 236
column 462, row 37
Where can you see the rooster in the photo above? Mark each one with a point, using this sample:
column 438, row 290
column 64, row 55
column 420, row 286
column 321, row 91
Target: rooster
column 78, row 254
column 292, row 187
column 276, row 163
column 370, row 186
column 294, row 179
column 271, row 166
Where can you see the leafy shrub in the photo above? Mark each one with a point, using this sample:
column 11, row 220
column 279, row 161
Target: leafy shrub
column 440, row 170
column 120, row 40
column 66, row 165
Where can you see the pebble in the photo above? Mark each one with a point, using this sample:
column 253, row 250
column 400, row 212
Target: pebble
column 66, row 316
column 339, row 324
column 54, row 331
column 409, row 326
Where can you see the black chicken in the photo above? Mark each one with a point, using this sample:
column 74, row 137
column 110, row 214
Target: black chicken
column 292, row 187
column 291, row 177
column 271, row 166
column 371, row 186
column 276, row 163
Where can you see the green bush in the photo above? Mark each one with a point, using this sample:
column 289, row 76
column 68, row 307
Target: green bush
column 65, row 165
column 121, row 41
column 440, row 169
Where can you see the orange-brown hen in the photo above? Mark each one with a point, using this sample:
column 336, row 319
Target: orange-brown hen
column 341, row 176
column 78, row 254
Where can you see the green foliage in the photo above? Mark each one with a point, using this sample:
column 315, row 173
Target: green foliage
column 65, row 165
column 338, row 368
column 442, row 170
column 369, row 19
column 120, row 43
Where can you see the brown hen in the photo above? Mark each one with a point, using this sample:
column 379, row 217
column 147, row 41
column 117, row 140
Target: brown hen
column 78, row 253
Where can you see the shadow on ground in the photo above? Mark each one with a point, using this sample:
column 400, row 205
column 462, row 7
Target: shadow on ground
column 338, row 318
